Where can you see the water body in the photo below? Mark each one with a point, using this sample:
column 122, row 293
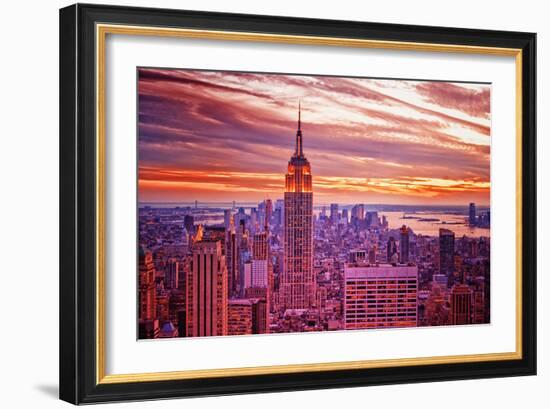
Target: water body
column 418, row 223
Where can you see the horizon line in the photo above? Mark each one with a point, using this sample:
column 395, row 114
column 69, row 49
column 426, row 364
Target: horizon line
column 318, row 204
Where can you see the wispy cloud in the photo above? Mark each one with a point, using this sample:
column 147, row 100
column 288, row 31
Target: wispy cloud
column 213, row 134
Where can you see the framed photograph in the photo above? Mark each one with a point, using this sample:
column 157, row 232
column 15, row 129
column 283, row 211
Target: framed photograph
column 257, row 203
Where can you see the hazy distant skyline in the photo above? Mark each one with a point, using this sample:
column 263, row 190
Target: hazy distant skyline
column 224, row 136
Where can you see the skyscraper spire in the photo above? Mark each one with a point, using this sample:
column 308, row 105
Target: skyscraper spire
column 299, row 149
column 299, row 115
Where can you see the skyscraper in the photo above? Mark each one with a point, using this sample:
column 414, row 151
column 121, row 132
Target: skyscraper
column 189, row 223
column 334, row 213
column 380, row 296
column 461, row 305
column 231, row 254
column 239, row 317
column 147, row 294
column 171, row 275
column 268, row 210
column 227, row 219
column 345, row 217
column 260, row 315
column 206, row 300
column 372, row 219
column 358, row 212
column 391, row 249
column 260, row 257
column 297, row 281
column 176, row 310
column 404, row 245
column 259, row 246
column 472, row 214
column 447, row 254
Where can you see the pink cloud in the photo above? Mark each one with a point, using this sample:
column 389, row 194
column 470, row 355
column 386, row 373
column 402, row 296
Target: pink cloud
column 474, row 102
column 216, row 122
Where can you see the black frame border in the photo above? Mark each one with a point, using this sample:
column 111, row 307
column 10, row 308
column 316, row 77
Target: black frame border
column 78, row 197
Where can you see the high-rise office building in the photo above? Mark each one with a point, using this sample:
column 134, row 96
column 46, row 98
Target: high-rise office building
column 268, row 210
column 259, row 246
column 404, row 245
column 345, row 216
column 189, row 223
column 461, row 304
column 478, row 301
column 184, row 265
column 372, row 219
column 391, row 249
column 334, row 213
column 259, row 274
column 227, row 219
column 357, row 212
column 162, row 304
column 472, row 214
column 447, row 254
column 379, row 296
column 232, row 257
column 253, row 220
column 171, row 274
column 260, row 315
column 147, row 291
column 260, row 300
column 258, row 289
column 176, row 306
column 260, row 268
column 280, row 209
column 246, row 281
column 206, row 300
column 298, row 281
column 239, row 317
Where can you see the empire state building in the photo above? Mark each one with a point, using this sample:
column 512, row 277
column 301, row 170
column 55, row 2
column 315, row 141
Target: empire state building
column 298, row 282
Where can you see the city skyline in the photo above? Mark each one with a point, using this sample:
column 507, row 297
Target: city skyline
column 398, row 136
column 280, row 267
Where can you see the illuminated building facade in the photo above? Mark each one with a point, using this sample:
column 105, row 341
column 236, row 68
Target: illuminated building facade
column 239, row 317
column 391, row 249
column 297, row 281
column 447, row 254
column 206, row 291
column 147, row 292
column 334, row 213
column 171, row 275
column 357, row 212
column 231, row 254
column 404, row 245
column 381, row 295
column 260, row 258
column 461, row 304
column 472, row 214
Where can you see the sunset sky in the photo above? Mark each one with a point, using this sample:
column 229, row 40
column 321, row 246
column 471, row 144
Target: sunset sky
column 223, row 136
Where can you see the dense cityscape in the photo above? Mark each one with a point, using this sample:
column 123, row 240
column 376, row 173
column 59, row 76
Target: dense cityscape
column 289, row 264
